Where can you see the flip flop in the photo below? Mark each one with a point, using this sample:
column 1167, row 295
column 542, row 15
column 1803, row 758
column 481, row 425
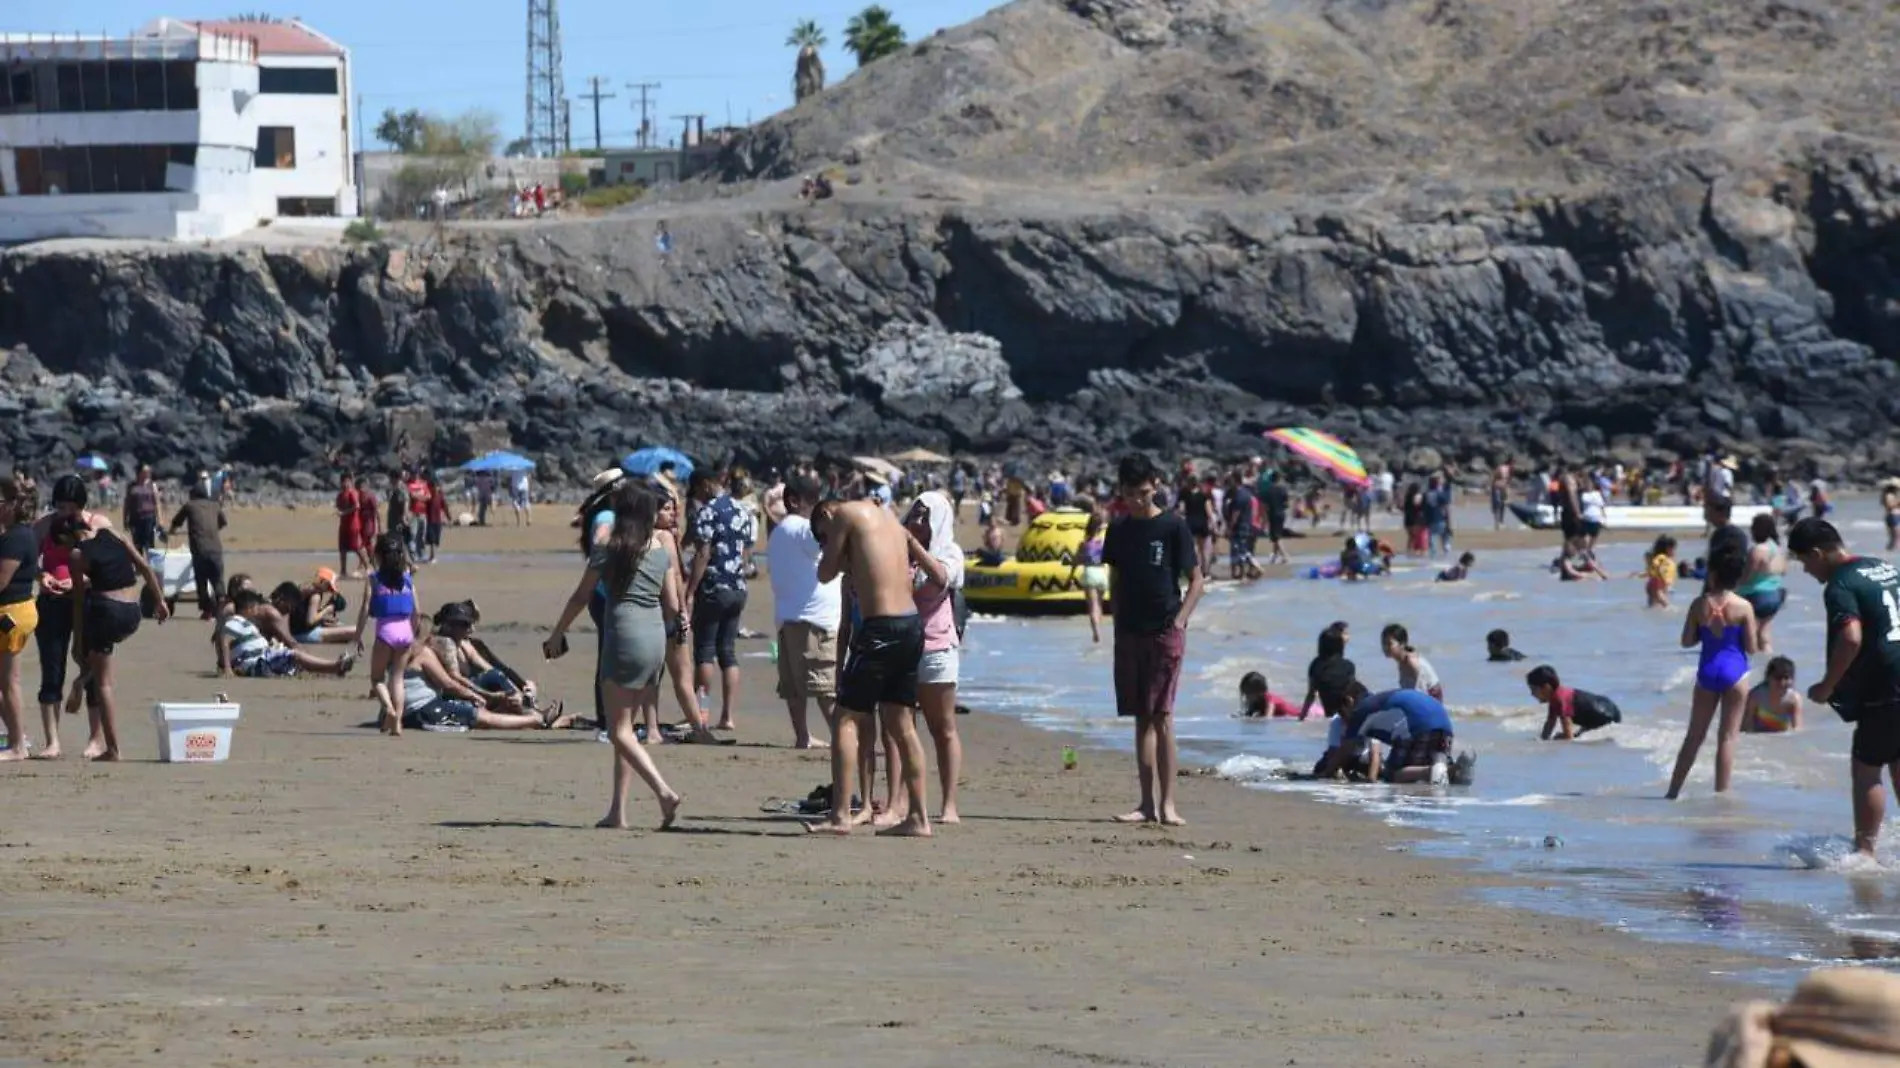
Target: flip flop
column 552, row 713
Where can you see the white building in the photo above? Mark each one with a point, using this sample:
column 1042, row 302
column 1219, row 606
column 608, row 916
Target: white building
column 183, row 130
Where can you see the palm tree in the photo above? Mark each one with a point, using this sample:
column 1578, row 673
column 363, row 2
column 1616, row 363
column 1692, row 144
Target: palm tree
column 872, row 34
column 808, row 78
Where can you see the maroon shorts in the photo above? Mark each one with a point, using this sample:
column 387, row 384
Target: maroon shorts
column 348, row 540
column 1147, row 670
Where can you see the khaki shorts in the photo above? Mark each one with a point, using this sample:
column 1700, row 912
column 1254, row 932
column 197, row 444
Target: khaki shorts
column 807, row 662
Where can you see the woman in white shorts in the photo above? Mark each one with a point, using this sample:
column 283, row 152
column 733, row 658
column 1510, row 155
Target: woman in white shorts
column 932, row 524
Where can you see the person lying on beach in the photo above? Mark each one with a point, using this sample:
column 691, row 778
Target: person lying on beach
column 1461, row 570
column 1497, row 647
column 1774, row 707
column 245, row 650
column 1572, row 713
column 1258, row 702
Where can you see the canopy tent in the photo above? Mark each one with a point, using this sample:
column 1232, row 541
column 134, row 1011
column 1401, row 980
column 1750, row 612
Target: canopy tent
column 920, row 455
column 647, row 461
column 499, row 460
column 1324, row 451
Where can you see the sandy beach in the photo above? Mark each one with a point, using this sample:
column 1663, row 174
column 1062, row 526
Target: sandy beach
column 332, row 896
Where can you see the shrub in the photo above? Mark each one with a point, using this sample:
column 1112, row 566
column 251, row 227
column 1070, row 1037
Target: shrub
column 363, row 231
column 609, row 197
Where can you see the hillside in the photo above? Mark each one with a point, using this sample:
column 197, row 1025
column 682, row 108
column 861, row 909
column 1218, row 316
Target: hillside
column 1397, row 102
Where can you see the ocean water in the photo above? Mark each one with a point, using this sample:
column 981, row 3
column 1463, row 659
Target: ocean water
column 1767, row 867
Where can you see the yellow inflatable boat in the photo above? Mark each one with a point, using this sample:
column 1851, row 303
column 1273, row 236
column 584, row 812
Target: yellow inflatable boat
column 1043, row 577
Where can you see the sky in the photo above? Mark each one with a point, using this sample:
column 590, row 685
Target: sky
column 720, row 58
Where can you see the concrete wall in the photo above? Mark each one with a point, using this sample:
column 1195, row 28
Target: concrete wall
column 322, row 139
column 164, row 216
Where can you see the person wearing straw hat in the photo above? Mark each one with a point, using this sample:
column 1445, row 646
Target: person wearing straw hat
column 1836, row 1018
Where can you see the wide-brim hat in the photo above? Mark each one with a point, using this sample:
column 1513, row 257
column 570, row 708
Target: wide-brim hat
column 608, row 477
column 1836, row 1018
column 1730, row 463
column 454, row 612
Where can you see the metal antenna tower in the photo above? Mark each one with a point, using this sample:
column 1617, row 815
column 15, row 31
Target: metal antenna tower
column 547, row 87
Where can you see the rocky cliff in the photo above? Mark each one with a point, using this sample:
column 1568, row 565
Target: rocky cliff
column 1678, row 289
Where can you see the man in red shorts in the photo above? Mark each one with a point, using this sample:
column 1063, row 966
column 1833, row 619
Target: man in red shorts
column 1149, row 553
column 349, row 535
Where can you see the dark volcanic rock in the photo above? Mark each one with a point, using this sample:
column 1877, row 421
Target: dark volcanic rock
column 1660, row 317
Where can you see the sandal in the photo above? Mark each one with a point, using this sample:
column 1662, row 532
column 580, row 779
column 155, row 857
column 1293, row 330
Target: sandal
column 552, row 713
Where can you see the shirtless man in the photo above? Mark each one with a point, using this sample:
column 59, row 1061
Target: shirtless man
column 880, row 651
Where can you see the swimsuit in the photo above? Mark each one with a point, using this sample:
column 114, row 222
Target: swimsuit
column 393, row 610
column 1724, row 660
column 1764, row 592
column 881, row 667
column 1765, row 715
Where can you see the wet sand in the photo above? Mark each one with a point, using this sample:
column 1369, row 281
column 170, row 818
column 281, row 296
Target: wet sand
column 331, row 895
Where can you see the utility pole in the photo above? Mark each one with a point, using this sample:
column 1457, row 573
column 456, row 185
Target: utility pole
column 596, row 96
column 646, row 127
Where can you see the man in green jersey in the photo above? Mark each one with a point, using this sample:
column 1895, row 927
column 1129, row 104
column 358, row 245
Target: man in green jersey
column 1862, row 683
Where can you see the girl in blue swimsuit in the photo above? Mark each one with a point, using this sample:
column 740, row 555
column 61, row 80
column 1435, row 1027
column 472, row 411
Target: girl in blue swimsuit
column 1723, row 624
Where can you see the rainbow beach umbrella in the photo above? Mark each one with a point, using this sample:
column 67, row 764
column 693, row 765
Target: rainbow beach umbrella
column 1323, row 450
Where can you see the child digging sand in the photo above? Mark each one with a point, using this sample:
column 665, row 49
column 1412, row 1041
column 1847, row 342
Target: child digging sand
column 389, row 595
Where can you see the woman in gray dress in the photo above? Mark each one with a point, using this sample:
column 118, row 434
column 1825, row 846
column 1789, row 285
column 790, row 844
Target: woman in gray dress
column 642, row 593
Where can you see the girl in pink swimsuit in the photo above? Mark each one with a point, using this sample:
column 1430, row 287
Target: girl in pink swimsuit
column 389, row 596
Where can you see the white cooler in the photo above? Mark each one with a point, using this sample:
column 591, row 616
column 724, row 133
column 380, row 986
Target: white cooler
column 194, row 733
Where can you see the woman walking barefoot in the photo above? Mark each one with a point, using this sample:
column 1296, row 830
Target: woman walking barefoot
column 19, row 580
column 389, row 595
column 936, row 574
column 640, row 581
column 679, row 651
column 1724, row 624
column 106, row 575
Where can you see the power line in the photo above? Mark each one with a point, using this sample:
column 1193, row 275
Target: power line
column 646, row 126
column 596, row 96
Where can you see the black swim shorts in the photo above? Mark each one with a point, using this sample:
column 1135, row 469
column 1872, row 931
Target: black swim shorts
column 1875, row 715
column 881, row 667
column 1589, row 712
column 109, row 622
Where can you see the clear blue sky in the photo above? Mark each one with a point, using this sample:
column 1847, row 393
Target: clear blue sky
column 450, row 56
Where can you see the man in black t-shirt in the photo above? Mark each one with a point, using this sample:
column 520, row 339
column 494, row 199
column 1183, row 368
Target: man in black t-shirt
column 1149, row 552
column 1862, row 683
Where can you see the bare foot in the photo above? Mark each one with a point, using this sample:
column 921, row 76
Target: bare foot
column 863, row 816
column 1171, row 818
column 108, row 756
column 949, row 815
column 888, row 818
column 12, row 753
column 811, row 743
column 93, row 751
column 830, row 827
column 1140, row 815
column 612, row 822
column 669, row 811
column 726, row 725
column 51, row 752
column 910, row 828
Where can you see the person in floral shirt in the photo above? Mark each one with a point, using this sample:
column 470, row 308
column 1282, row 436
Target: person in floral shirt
column 721, row 534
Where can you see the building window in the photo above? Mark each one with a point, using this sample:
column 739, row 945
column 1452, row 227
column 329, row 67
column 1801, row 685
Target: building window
column 299, row 207
column 301, row 81
column 276, row 148
column 45, row 87
column 88, row 169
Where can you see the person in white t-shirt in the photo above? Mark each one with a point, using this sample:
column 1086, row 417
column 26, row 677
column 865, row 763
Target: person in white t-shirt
column 805, row 610
column 520, row 496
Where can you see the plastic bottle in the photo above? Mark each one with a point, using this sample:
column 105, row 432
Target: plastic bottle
column 774, row 650
column 1069, row 758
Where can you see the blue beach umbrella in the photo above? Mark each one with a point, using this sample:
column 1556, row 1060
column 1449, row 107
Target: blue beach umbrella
column 499, row 461
column 647, row 461
column 92, row 461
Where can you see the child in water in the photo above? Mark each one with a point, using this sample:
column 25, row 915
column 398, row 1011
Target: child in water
column 1774, row 707
column 1659, row 569
column 1330, row 672
column 1460, row 571
column 1415, row 672
column 1723, row 625
column 1572, row 713
column 1258, row 702
column 1089, row 562
column 1497, row 647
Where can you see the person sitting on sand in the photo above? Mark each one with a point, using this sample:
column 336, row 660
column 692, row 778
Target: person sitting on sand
column 1497, row 648
column 1572, row 713
column 1774, row 707
column 432, row 700
column 244, row 649
column 1258, row 702
column 309, row 613
column 451, row 637
column 1461, row 570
